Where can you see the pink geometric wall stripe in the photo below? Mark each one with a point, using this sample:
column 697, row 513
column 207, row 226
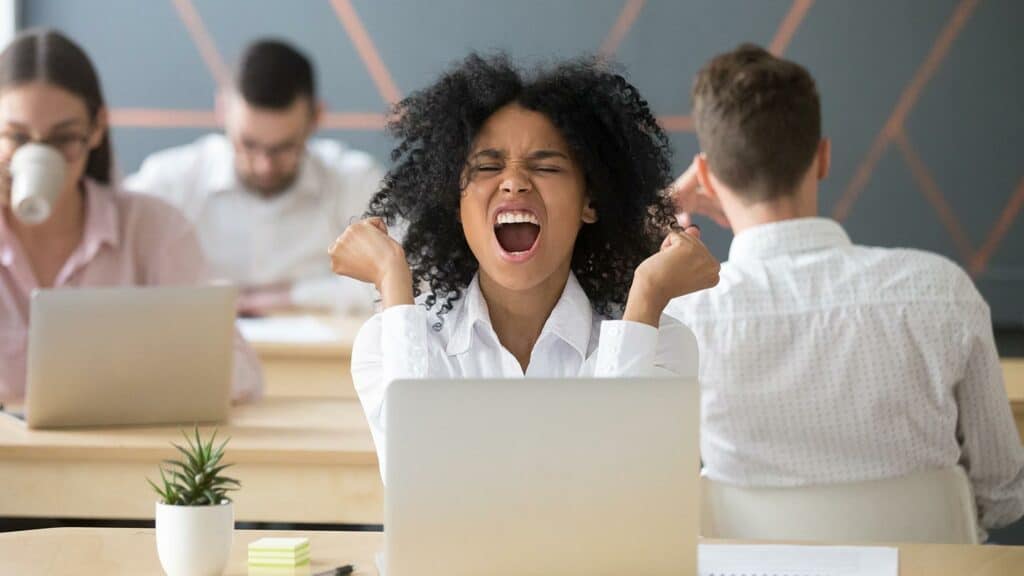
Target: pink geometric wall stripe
column 783, row 36
column 164, row 118
column 904, row 106
column 790, row 24
column 630, row 10
column 357, row 33
column 931, row 192
column 203, row 42
column 176, row 118
column 367, row 51
column 995, row 236
column 353, row 121
column 676, row 123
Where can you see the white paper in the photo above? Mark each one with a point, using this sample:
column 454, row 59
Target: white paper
column 779, row 560
column 287, row 330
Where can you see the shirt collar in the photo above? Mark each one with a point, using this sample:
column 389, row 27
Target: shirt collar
column 787, row 237
column 222, row 177
column 101, row 226
column 571, row 319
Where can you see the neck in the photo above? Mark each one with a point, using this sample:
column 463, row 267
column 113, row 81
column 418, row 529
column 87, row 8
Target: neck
column 518, row 316
column 801, row 204
column 48, row 244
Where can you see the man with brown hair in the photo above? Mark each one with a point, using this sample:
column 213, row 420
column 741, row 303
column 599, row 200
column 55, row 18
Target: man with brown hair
column 823, row 361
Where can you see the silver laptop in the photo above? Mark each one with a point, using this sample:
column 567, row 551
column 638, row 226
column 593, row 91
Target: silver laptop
column 118, row 356
column 581, row 477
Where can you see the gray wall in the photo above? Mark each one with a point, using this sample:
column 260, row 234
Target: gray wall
column 963, row 126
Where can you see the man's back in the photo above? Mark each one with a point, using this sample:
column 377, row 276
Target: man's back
column 825, row 362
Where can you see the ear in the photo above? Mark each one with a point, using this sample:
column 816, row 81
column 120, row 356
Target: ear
column 589, row 215
column 102, row 123
column 318, row 115
column 704, row 176
column 824, row 158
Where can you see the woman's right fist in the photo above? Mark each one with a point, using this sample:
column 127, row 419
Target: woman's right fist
column 366, row 252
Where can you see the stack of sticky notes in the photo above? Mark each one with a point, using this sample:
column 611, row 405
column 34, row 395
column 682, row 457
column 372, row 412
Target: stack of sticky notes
column 279, row 555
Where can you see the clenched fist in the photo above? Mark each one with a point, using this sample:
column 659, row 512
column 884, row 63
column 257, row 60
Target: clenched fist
column 682, row 265
column 366, row 252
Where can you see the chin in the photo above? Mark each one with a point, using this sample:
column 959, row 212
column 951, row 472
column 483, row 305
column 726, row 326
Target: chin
column 517, row 277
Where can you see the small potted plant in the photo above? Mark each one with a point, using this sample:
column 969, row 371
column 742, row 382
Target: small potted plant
column 194, row 516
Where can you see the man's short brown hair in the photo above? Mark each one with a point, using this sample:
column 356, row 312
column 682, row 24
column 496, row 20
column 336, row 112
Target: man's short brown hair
column 758, row 121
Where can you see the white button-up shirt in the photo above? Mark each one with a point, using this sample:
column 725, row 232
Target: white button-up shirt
column 402, row 343
column 250, row 240
column 826, row 362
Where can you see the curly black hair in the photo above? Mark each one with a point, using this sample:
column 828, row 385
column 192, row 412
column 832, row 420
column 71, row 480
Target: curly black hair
column 621, row 150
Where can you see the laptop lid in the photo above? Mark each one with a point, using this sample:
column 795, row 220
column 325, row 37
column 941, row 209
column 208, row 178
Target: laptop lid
column 542, row 476
column 129, row 355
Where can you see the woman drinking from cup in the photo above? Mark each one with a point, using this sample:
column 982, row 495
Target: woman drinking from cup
column 63, row 222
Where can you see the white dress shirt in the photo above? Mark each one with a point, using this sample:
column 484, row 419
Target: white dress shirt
column 827, row 362
column 254, row 241
column 402, row 343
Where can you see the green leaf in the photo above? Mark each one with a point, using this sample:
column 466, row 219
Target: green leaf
column 163, row 495
column 190, row 456
column 211, row 497
column 196, row 478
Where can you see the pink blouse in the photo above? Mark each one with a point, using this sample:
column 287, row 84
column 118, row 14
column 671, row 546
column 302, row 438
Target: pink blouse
column 128, row 240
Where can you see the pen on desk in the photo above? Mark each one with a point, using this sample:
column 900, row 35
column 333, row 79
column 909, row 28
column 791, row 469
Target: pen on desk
column 339, row 571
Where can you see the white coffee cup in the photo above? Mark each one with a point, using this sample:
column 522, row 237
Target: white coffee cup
column 37, row 173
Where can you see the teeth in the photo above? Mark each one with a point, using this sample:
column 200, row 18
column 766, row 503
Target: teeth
column 516, row 217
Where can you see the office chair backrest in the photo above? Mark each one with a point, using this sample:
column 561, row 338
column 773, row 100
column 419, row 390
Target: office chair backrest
column 931, row 506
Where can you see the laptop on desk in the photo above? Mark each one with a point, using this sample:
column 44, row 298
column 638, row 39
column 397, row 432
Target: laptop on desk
column 582, row 477
column 129, row 355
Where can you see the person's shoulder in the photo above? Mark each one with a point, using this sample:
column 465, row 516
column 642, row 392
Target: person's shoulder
column 184, row 163
column 928, row 274
column 211, row 147
column 146, row 213
column 337, row 156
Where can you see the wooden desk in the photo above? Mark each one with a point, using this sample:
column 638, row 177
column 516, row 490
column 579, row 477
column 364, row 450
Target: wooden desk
column 299, row 460
column 114, row 551
column 1013, row 375
column 318, row 368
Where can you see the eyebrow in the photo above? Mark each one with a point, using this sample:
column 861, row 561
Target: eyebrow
column 58, row 126
column 535, row 155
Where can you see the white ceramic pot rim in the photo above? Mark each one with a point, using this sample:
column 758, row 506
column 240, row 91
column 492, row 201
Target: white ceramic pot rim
column 203, row 506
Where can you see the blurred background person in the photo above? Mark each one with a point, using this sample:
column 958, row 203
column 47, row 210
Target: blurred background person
column 95, row 235
column 267, row 199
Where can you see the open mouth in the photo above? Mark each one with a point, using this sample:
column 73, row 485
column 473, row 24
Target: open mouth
column 517, row 232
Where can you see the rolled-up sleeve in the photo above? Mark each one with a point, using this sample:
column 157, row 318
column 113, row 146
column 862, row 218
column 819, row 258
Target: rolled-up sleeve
column 392, row 345
column 635, row 349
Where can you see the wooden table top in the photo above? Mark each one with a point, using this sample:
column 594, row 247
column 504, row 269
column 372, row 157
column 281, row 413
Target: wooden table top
column 115, row 551
column 276, row 430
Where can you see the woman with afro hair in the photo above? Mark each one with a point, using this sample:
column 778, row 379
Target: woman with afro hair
column 537, row 242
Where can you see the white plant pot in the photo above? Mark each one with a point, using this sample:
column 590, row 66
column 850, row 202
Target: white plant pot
column 194, row 540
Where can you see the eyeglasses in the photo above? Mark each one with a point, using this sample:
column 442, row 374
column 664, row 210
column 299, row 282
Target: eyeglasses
column 71, row 146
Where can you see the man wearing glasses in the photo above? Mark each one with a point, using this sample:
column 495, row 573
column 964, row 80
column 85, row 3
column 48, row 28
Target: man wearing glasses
column 265, row 197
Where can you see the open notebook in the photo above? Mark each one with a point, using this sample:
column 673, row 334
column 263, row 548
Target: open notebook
column 776, row 560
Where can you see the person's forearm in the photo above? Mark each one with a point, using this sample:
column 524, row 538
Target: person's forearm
column 396, row 287
column 643, row 305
